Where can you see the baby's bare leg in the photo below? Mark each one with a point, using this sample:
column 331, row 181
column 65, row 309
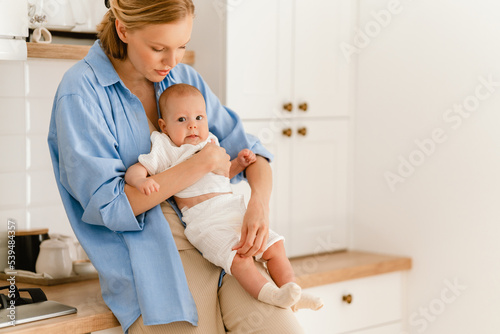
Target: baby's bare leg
column 278, row 264
column 244, row 270
column 281, row 271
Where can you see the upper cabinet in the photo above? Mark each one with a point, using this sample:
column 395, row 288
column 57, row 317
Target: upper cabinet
column 320, row 71
column 259, row 76
column 266, row 54
column 279, row 65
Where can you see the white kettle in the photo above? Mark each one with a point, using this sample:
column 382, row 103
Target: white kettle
column 54, row 259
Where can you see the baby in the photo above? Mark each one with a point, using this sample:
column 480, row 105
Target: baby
column 212, row 213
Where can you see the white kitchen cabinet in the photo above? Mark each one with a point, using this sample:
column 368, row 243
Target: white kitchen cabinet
column 282, row 51
column 371, row 305
column 279, row 65
column 318, row 187
column 308, row 204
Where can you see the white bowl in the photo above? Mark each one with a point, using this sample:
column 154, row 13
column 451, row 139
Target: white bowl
column 83, row 267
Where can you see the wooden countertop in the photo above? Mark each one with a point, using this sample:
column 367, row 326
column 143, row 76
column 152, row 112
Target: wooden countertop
column 66, row 51
column 329, row 268
column 94, row 315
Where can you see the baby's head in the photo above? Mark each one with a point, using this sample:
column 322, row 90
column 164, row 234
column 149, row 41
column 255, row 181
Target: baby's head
column 183, row 115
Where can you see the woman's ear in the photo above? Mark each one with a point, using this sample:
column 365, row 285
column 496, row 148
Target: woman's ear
column 121, row 30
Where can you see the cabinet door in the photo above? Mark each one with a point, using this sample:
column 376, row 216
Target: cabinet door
column 321, row 72
column 319, row 186
column 258, row 57
column 270, row 134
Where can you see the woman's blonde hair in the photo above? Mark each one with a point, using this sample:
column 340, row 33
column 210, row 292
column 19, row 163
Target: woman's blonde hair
column 136, row 14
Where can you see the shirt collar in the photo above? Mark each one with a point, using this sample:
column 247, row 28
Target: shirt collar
column 101, row 65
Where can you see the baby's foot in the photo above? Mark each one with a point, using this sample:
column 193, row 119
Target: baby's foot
column 308, row 301
column 284, row 297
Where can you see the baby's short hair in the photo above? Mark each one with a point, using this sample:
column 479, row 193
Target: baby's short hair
column 178, row 90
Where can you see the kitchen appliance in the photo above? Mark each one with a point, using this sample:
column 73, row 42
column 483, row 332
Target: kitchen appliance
column 13, row 29
column 15, row 310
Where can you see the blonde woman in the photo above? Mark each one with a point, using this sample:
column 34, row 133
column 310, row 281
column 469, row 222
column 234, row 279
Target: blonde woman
column 151, row 277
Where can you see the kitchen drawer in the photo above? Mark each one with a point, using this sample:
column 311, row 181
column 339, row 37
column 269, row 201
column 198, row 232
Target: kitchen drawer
column 376, row 300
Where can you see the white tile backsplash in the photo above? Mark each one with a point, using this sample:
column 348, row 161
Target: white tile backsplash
column 12, row 153
column 42, row 188
column 12, row 115
column 38, row 111
column 13, row 191
column 38, row 155
column 52, row 217
column 28, row 190
column 44, row 76
column 14, row 72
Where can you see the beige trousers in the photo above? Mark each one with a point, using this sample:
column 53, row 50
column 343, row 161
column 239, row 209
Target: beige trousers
column 229, row 309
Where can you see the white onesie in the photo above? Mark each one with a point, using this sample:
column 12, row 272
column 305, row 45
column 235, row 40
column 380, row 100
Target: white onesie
column 165, row 154
column 212, row 226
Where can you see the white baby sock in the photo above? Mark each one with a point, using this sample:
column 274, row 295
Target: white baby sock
column 282, row 297
column 308, row 301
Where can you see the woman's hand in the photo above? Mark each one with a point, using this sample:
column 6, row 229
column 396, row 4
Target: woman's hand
column 179, row 177
column 216, row 157
column 255, row 228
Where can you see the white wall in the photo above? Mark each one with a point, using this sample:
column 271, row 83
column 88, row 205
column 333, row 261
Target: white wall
column 209, row 44
column 445, row 214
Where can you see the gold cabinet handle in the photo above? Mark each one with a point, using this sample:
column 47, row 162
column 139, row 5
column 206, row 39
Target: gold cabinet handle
column 303, row 106
column 302, row 131
column 347, row 298
column 288, row 107
column 287, row 132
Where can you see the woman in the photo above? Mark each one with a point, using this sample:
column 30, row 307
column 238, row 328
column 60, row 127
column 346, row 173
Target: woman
column 104, row 110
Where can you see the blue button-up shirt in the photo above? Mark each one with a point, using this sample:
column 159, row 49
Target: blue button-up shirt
column 97, row 130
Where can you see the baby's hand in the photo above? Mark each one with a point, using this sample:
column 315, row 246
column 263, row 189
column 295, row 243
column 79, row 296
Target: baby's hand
column 148, row 186
column 246, row 158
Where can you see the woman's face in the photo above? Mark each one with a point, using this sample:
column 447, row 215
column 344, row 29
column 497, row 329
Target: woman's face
column 155, row 49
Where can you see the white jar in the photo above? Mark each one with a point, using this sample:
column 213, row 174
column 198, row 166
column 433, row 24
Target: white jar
column 54, row 259
column 71, row 242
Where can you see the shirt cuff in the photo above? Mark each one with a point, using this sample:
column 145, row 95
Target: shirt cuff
column 108, row 217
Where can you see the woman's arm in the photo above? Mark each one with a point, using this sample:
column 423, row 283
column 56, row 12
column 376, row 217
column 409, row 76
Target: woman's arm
column 255, row 229
column 179, row 177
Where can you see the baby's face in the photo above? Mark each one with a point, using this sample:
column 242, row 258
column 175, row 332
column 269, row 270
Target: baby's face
column 185, row 120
